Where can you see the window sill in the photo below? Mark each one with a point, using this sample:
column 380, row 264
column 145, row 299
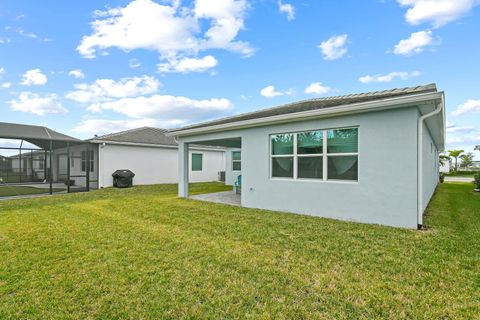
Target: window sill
column 314, row 180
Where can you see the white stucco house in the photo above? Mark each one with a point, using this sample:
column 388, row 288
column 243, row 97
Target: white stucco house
column 152, row 156
column 370, row 157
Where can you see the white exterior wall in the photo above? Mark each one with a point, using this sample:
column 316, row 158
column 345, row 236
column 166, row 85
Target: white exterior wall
column 386, row 191
column 153, row 165
column 230, row 175
column 430, row 167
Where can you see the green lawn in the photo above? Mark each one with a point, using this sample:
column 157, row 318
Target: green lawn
column 142, row 253
column 8, row 191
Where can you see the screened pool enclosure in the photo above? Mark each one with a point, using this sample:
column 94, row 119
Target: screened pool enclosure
column 36, row 160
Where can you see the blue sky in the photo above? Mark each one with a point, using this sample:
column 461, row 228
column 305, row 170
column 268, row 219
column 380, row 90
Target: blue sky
column 93, row 67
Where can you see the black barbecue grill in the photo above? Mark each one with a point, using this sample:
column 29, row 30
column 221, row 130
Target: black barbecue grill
column 123, row 178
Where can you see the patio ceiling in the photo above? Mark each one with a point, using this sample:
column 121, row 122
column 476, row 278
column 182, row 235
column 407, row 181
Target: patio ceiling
column 226, row 142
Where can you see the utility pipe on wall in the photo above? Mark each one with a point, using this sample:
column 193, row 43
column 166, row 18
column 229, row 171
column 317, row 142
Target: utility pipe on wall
column 438, row 108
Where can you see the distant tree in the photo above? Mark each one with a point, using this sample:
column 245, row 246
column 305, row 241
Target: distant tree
column 443, row 159
column 467, row 159
column 455, row 154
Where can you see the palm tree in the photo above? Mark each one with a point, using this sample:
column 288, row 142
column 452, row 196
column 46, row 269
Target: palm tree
column 455, row 154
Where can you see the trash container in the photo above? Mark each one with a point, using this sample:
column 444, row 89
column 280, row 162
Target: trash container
column 123, row 178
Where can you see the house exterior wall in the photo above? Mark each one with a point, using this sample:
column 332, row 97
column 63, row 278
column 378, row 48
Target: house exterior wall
column 153, row 165
column 430, row 167
column 230, row 174
column 385, row 193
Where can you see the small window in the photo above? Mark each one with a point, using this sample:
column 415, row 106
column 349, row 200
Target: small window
column 72, row 160
column 282, row 155
column 236, row 161
column 84, row 161
column 41, row 163
column 282, row 144
column 197, row 162
column 282, row 167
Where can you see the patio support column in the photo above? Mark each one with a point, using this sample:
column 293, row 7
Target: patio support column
column 45, row 167
column 182, row 170
column 87, row 167
column 68, row 167
column 51, row 173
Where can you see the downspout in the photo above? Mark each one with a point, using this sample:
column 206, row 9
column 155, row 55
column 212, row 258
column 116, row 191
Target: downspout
column 421, row 120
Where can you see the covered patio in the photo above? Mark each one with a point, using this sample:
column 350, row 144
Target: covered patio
column 36, row 160
column 186, row 160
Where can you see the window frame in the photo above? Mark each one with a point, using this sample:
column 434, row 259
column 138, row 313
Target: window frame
column 324, row 155
column 237, row 161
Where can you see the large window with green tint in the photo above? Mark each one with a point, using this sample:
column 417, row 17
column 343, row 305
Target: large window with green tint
column 236, row 160
column 342, row 140
column 197, row 162
column 342, row 154
column 310, row 142
column 328, row 154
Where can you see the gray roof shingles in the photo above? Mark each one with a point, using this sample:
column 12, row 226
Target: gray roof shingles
column 144, row 135
column 319, row 103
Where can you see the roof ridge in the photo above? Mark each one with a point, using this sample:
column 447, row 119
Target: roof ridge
column 114, row 134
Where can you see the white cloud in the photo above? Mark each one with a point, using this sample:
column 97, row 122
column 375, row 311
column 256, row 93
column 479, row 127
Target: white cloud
column 102, row 126
column 2, row 71
column 36, row 104
column 134, row 63
column 334, row 48
column 30, row 35
column 288, row 9
column 469, row 106
column 317, row 88
column 187, row 65
column 77, row 74
column 416, row 43
column 138, row 98
column 436, row 12
column 389, row 77
column 6, row 85
column 175, row 32
column 34, row 77
column 108, row 89
column 270, row 92
column 166, row 107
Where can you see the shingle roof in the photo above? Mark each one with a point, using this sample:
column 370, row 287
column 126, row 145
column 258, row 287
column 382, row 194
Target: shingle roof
column 144, row 135
column 319, row 103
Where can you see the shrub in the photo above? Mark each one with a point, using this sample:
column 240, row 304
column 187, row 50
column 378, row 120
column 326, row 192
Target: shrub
column 441, row 177
column 476, row 181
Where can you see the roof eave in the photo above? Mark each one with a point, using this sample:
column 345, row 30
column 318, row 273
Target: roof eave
column 380, row 104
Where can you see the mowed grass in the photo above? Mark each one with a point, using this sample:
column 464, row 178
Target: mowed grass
column 142, row 253
column 9, row 191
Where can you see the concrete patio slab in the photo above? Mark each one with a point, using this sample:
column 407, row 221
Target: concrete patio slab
column 225, row 197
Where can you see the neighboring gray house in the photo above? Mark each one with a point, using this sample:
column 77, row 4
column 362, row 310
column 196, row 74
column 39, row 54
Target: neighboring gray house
column 152, row 156
column 370, row 157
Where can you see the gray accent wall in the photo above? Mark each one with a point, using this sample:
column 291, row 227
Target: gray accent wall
column 386, row 191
